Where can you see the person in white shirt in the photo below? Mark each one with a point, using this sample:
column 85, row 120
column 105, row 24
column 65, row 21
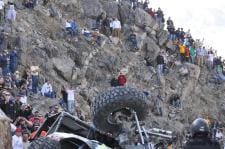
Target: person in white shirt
column 210, row 59
column 17, row 140
column 219, row 135
column 47, row 90
column 70, row 99
column 11, row 13
column 1, row 10
column 23, row 99
column 116, row 25
column 26, row 142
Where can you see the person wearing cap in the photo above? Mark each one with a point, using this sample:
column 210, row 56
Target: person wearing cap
column 36, row 116
column 17, row 140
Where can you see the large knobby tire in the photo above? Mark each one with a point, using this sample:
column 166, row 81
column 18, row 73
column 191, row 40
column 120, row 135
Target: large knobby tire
column 115, row 99
column 44, row 143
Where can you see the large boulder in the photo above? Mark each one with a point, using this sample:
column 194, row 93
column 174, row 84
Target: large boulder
column 150, row 48
column 143, row 18
column 111, row 8
column 92, row 8
column 162, row 37
column 64, row 67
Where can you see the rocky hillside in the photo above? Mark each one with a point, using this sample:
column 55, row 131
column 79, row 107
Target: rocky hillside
column 64, row 60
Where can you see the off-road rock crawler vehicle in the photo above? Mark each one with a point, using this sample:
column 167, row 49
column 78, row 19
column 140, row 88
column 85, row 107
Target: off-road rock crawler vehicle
column 116, row 114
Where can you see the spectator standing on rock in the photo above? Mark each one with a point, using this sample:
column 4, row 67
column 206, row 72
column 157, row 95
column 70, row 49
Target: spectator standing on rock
column 159, row 17
column 17, row 141
column 182, row 52
column 187, row 54
column 160, row 63
column 122, row 79
column 192, row 54
column 2, row 4
column 71, row 99
column 34, row 77
column 13, row 61
column 200, row 56
column 11, row 13
column 210, row 60
column 116, row 28
column 64, row 97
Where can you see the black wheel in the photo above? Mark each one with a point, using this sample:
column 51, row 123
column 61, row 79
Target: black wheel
column 44, row 143
column 121, row 100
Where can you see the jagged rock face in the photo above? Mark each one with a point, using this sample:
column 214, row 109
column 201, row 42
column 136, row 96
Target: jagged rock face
column 43, row 43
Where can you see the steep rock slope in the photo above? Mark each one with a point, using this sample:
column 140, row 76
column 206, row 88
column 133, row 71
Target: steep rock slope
column 62, row 60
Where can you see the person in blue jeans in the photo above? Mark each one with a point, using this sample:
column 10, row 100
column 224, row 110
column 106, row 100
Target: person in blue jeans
column 13, row 61
column 34, row 83
column 71, row 99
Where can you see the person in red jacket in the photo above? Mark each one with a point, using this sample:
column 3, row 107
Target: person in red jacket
column 187, row 54
column 122, row 79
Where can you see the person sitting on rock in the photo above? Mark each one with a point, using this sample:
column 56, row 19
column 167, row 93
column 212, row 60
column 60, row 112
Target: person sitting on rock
column 116, row 28
column 114, row 82
column 74, row 27
column 122, row 79
column 86, row 32
column 133, row 40
column 175, row 101
column 219, row 71
column 47, row 90
column 96, row 37
column 68, row 27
